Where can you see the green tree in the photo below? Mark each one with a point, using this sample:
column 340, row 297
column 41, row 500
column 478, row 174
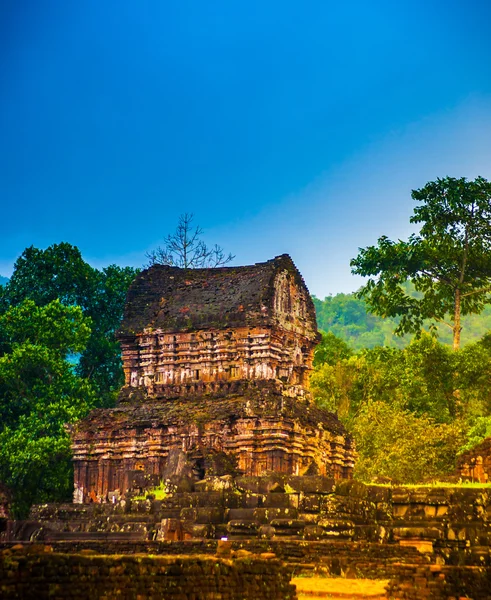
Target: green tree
column 449, row 261
column 472, row 376
column 101, row 360
column 331, row 350
column 39, row 395
column 480, row 430
column 59, row 272
column 334, row 386
column 419, row 378
column 398, row 444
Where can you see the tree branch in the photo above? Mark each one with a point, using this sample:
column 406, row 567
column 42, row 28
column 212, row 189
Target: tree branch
column 480, row 291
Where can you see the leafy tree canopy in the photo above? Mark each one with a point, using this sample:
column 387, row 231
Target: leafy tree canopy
column 449, row 261
column 419, row 378
column 396, row 443
column 393, row 400
column 68, row 331
column 39, row 395
column 60, row 273
column 331, row 350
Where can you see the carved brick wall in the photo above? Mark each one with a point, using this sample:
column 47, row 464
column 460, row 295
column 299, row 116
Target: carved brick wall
column 279, row 434
column 154, row 359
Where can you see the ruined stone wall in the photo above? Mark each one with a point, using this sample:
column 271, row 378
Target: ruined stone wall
column 124, row 455
column 453, row 523
column 27, row 574
column 440, row 582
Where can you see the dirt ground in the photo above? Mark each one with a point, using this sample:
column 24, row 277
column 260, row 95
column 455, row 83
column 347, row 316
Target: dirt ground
column 317, row 588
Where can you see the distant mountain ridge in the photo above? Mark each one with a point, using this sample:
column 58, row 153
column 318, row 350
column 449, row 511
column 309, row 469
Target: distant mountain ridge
column 347, row 317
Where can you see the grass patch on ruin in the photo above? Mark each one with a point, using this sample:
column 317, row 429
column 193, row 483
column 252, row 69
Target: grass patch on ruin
column 434, row 484
column 157, row 493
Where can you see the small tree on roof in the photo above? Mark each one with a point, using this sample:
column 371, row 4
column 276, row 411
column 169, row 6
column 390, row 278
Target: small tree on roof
column 185, row 249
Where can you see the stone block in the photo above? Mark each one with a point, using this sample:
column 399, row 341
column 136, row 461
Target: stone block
column 209, row 515
column 277, row 500
column 313, row 484
column 241, row 514
column 352, row 488
column 310, row 503
column 265, row 515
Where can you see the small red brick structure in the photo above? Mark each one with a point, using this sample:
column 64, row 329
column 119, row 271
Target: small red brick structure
column 216, row 363
column 475, row 465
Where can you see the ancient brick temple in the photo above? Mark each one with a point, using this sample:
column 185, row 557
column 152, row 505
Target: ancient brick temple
column 216, row 363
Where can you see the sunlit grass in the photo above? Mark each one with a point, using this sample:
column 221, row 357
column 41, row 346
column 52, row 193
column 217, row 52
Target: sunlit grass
column 433, row 484
column 159, row 493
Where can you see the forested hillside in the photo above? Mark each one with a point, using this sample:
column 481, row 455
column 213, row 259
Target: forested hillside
column 347, row 318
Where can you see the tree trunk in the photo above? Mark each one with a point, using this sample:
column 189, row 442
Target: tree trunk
column 456, row 321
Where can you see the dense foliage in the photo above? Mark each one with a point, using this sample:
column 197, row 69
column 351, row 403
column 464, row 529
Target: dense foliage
column 60, row 273
column 409, row 407
column 58, row 359
column 39, row 394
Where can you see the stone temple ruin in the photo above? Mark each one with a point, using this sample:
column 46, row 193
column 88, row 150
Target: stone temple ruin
column 257, row 478
column 216, row 364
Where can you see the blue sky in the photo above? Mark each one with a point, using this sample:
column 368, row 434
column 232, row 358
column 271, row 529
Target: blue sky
column 296, row 127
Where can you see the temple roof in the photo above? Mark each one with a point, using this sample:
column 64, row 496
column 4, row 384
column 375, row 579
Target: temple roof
column 174, row 299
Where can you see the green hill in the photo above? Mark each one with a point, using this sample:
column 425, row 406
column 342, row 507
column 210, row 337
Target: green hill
column 347, row 317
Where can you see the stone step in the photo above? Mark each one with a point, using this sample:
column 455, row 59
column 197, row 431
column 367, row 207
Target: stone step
column 265, row 515
column 169, row 513
column 277, row 500
column 203, row 515
column 242, row 528
column 248, row 500
column 287, row 523
column 235, row 514
column 94, row 536
column 291, row 528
